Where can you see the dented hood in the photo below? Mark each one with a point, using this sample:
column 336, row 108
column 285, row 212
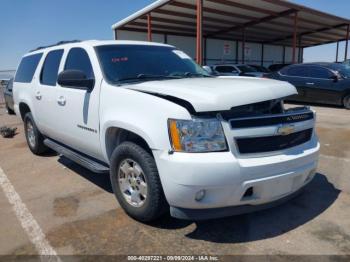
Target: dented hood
column 218, row 94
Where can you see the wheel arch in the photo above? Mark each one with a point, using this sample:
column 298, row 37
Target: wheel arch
column 24, row 109
column 114, row 136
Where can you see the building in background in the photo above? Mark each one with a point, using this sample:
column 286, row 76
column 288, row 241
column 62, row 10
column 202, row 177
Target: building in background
column 260, row 32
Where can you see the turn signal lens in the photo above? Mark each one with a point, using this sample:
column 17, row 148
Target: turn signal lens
column 175, row 137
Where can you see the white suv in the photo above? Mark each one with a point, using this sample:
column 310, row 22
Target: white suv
column 170, row 135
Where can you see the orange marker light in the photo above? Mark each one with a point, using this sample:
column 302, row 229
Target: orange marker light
column 175, row 137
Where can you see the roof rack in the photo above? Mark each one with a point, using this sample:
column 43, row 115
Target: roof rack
column 57, row 44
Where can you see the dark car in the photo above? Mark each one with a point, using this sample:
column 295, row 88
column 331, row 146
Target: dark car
column 233, row 70
column 277, row 67
column 327, row 83
column 8, row 95
column 260, row 68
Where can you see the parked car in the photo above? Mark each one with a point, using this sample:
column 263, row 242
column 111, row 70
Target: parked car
column 346, row 62
column 277, row 67
column 233, row 70
column 260, row 68
column 169, row 134
column 9, row 97
column 327, row 83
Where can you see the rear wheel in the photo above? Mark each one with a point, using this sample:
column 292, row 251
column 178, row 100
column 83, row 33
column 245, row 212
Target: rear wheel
column 35, row 139
column 136, row 182
column 346, row 102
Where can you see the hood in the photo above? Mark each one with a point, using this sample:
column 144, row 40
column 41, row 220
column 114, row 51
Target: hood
column 218, row 94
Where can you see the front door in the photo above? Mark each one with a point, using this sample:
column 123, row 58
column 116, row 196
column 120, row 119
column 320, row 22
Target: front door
column 78, row 110
column 321, row 86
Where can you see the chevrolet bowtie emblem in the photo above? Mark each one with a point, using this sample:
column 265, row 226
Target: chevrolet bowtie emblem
column 286, row 130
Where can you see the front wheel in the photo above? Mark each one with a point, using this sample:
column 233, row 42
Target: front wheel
column 35, row 139
column 136, row 183
column 346, row 102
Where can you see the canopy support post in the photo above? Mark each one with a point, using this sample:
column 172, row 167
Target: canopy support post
column 347, row 42
column 149, row 27
column 199, row 46
column 295, row 37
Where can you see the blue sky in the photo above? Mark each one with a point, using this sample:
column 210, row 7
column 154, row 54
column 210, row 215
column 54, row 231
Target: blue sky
column 26, row 24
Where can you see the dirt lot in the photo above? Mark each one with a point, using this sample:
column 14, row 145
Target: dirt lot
column 78, row 214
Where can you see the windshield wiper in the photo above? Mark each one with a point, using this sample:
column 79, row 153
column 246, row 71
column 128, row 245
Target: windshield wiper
column 146, row 77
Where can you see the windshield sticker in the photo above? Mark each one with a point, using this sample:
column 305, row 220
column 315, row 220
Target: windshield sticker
column 181, row 54
column 119, row 59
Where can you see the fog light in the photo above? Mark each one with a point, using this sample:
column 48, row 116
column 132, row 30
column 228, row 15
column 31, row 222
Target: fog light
column 200, row 195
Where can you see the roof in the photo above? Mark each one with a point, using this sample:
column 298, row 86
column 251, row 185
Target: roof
column 265, row 21
column 93, row 43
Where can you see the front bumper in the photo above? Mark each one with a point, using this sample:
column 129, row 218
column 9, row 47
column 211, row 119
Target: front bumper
column 212, row 213
column 226, row 179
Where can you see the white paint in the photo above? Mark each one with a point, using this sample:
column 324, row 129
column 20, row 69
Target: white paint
column 29, row 224
column 215, row 94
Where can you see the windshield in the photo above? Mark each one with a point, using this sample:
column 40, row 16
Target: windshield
column 123, row 63
column 246, row 69
column 342, row 69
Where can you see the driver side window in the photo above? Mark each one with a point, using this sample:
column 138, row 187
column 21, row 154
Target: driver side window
column 78, row 59
column 319, row 72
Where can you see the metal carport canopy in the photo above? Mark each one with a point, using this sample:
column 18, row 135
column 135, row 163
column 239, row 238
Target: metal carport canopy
column 258, row 21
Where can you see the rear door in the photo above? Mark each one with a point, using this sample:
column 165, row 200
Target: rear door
column 45, row 92
column 77, row 111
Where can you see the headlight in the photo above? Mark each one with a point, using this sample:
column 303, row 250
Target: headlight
column 197, row 135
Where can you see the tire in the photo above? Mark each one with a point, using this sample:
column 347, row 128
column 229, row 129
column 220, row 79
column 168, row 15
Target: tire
column 9, row 111
column 35, row 139
column 346, row 102
column 154, row 205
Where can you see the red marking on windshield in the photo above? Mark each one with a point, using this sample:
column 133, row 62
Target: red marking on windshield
column 119, row 59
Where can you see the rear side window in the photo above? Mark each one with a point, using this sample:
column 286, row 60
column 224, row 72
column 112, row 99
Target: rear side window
column 27, row 67
column 78, row 59
column 50, row 69
column 299, row 71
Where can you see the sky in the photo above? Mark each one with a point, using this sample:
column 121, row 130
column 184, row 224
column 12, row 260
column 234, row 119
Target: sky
column 27, row 24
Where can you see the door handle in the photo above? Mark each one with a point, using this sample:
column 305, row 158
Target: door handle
column 61, row 101
column 38, row 95
column 310, row 84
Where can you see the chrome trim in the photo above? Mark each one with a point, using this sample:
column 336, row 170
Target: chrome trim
column 304, row 111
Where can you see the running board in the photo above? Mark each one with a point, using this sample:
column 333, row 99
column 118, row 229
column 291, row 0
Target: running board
column 80, row 159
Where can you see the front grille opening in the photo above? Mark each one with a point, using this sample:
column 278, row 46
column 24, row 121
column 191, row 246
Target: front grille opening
column 270, row 107
column 272, row 143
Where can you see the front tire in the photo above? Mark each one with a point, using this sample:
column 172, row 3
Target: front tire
column 35, row 139
column 136, row 184
column 346, row 102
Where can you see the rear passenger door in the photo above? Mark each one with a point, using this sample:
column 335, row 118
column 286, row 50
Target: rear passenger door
column 77, row 111
column 45, row 92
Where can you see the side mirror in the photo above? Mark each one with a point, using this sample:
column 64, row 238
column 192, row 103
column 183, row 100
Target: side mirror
column 335, row 78
column 75, row 79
